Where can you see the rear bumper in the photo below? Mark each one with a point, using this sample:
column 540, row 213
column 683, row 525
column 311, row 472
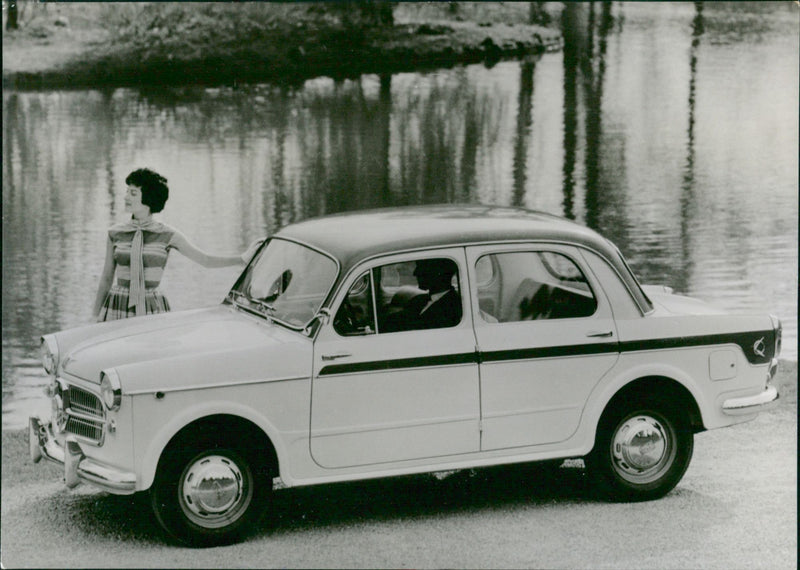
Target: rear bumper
column 77, row 467
column 752, row 404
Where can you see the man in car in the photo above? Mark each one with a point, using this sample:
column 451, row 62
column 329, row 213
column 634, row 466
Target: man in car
column 439, row 307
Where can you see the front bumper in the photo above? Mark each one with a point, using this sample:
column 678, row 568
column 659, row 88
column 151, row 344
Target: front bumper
column 77, row 467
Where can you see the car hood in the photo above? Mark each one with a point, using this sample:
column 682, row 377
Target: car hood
column 198, row 336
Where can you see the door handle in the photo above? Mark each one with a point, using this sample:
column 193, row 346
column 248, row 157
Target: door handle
column 600, row 334
column 336, row 355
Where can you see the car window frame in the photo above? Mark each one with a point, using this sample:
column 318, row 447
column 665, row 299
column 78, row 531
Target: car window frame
column 455, row 253
column 571, row 252
column 305, row 329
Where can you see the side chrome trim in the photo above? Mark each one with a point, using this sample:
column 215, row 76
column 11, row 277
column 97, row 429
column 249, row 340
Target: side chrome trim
column 766, row 400
column 215, row 385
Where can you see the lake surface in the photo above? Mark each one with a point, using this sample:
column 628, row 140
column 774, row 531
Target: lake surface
column 674, row 135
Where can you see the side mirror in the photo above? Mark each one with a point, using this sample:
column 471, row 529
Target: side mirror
column 322, row 317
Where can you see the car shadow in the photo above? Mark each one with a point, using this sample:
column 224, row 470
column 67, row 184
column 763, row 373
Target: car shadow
column 129, row 518
column 428, row 495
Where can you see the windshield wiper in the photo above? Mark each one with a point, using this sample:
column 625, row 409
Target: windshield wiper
column 263, row 304
column 246, row 302
column 237, row 296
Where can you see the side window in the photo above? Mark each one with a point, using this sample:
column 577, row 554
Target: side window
column 356, row 315
column 532, row 285
column 421, row 294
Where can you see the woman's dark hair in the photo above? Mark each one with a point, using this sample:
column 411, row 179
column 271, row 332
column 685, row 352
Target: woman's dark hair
column 153, row 185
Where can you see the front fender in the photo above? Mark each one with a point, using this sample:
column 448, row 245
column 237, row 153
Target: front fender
column 146, row 467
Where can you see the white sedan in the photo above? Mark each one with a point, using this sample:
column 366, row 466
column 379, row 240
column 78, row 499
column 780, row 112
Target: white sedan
column 401, row 341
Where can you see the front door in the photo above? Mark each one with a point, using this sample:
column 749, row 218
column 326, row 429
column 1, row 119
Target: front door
column 546, row 337
column 394, row 380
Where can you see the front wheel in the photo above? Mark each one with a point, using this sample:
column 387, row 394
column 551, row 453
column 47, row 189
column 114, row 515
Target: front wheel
column 208, row 496
column 642, row 450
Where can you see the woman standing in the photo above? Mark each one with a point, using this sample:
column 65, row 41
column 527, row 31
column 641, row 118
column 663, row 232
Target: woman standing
column 137, row 252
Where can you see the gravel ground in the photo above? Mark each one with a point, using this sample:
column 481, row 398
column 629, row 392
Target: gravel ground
column 735, row 508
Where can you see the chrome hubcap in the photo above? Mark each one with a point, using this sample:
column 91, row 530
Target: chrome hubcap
column 213, row 492
column 642, row 449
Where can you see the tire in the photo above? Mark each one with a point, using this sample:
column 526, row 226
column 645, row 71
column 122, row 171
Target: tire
column 208, row 495
column 642, row 449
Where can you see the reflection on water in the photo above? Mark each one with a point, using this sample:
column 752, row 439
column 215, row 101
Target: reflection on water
column 671, row 129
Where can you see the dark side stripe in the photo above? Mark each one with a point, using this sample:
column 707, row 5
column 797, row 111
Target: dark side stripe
column 751, row 344
column 438, row 360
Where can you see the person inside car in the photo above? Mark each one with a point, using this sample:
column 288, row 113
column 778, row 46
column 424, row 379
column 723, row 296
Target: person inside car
column 438, row 307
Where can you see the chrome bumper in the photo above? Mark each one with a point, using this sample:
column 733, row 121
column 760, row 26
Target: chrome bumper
column 77, row 467
column 752, row 404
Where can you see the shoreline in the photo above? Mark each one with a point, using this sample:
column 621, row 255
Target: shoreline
column 64, row 58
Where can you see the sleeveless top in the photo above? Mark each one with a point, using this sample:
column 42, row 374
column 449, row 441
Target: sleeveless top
column 156, row 238
column 140, row 251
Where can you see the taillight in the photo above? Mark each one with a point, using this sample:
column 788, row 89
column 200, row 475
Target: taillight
column 776, row 325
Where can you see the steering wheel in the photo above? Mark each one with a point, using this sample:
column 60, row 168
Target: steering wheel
column 345, row 320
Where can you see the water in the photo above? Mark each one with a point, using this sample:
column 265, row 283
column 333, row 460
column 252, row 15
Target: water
column 674, row 136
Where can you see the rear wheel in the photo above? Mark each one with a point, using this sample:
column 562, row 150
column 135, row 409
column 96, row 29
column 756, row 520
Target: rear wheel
column 642, row 449
column 207, row 494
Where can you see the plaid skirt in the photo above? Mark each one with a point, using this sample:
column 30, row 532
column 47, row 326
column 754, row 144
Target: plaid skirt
column 116, row 307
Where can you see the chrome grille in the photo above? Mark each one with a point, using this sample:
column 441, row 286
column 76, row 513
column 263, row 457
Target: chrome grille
column 84, row 402
column 85, row 414
column 89, row 429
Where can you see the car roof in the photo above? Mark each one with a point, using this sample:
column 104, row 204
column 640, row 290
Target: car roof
column 352, row 237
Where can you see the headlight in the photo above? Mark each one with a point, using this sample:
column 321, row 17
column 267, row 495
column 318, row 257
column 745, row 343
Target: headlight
column 110, row 389
column 49, row 352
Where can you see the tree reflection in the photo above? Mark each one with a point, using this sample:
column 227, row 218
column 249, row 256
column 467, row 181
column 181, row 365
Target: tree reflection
column 522, row 137
column 687, row 198
column 572, row 29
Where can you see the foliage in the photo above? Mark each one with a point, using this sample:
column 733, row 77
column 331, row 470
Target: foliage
column 235, row 42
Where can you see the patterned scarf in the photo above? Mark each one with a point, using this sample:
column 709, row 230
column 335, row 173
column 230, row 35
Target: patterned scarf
column 137, row 289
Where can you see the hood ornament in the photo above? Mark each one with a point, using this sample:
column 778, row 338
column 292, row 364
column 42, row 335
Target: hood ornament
column 760, row 348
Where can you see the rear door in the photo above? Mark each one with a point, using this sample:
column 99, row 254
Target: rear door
column 545, row 337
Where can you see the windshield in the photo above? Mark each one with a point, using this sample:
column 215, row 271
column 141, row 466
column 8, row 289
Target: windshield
column 286, row 282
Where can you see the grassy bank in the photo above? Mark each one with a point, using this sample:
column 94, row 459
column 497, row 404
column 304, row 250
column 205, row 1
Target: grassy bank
column 219, row 43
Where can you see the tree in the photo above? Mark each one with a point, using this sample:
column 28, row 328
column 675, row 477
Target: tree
column 370, row 12
column 12, row 23
column 538, row 14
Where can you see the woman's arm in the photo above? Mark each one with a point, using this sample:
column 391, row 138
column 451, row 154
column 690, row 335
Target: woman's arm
column 197, row 255
column 106, row 278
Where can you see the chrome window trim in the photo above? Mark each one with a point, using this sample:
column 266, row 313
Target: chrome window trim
column 577, row 265
column 644, row 311
column 359, row 266
column 325, row 298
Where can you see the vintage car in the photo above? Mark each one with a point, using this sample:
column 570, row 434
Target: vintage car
column 321, row 366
